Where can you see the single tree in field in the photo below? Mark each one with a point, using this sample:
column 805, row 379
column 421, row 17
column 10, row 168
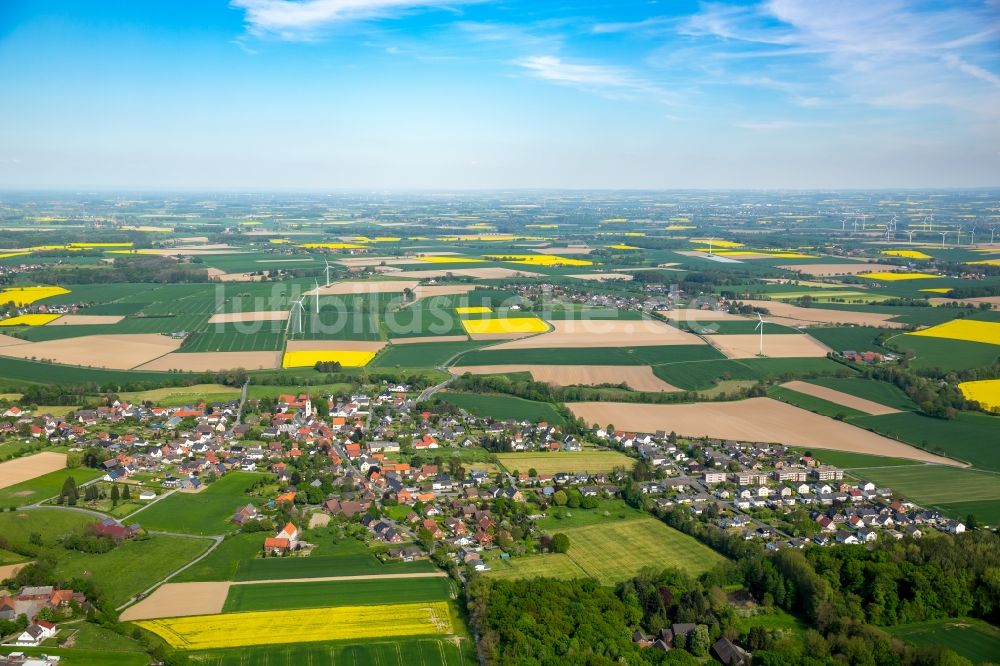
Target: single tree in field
column 114, row 494
column 126, row 493
column 560, row 543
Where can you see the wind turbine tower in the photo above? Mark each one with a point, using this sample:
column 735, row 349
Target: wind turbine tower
column 760, row 327
column 327, row 272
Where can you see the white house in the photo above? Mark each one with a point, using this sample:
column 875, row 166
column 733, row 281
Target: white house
column 35, row 633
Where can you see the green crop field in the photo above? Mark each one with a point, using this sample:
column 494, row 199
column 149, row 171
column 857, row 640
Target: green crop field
column 883, row 393
column 317, row 566
column 614, row 552
column 945, row 354
column 127, row 326
column 384, row 652
column 987, row 512
column 702, row 375
column 844, row 338
column 812, row 403
column 933, row 485
column 423, row 319
column 205, row 512
column 969, row 437
column 232, row 338
column 734, row 327
column 333, row 325
column 34, row 372
column 848, row 460
column 421, row 354
column 587, row 460
column 973, row 639
column 44, row 487
column 323, row 594
column 503, row 407
column 592, row 355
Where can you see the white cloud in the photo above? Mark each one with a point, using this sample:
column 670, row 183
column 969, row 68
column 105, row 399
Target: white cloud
column 306, row 19
column 606, row 80
column 893, row 53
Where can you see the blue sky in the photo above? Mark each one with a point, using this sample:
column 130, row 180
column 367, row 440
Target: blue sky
column 398, row 94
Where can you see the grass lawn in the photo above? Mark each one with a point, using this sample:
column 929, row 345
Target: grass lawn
column 848, row 460
column 281, row 596
column 385, row 652
column 587, row 460
column 611, row 553
column 931, row 485
column 975, row 640
column 87, row 636
column 44, row 486
column 883, row 393
column 971, row 437
column 770, row 618
column 812, row 403
column 607, row 511
column 221, row 563
column 48, row 523
column 131, row 567
column 503, row 407
column 206, row 512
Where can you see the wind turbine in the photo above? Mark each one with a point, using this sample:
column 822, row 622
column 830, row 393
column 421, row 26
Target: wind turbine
column 958, row 238
column 327, row 272
column 972, row 233
column 943, row 234
column 992, row 231
column 710, row 246
column 908, row 231
column 299, row 309
column 316, row 282
column 760, row 326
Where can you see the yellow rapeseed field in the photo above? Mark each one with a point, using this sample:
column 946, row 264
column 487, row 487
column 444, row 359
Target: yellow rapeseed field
column 332, row 246
column 101, row 244
column 539, row 260
column 499, row 326
column 8, row 255
column 892, row 277
column 985, row 262
column 29, row 320
column 717, row 242
column 28, row 295
column 623, row 246
column 907, row 254
column 679, row 227
column 279, row 241
column 151, row 230
column 964, row 329
column 202, row 632
column 937, row 290
column 451, row 260
column 985, row 391
column 473, row 309
column 307, row 359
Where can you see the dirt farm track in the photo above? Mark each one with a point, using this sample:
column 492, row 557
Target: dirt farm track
column 753, row 420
